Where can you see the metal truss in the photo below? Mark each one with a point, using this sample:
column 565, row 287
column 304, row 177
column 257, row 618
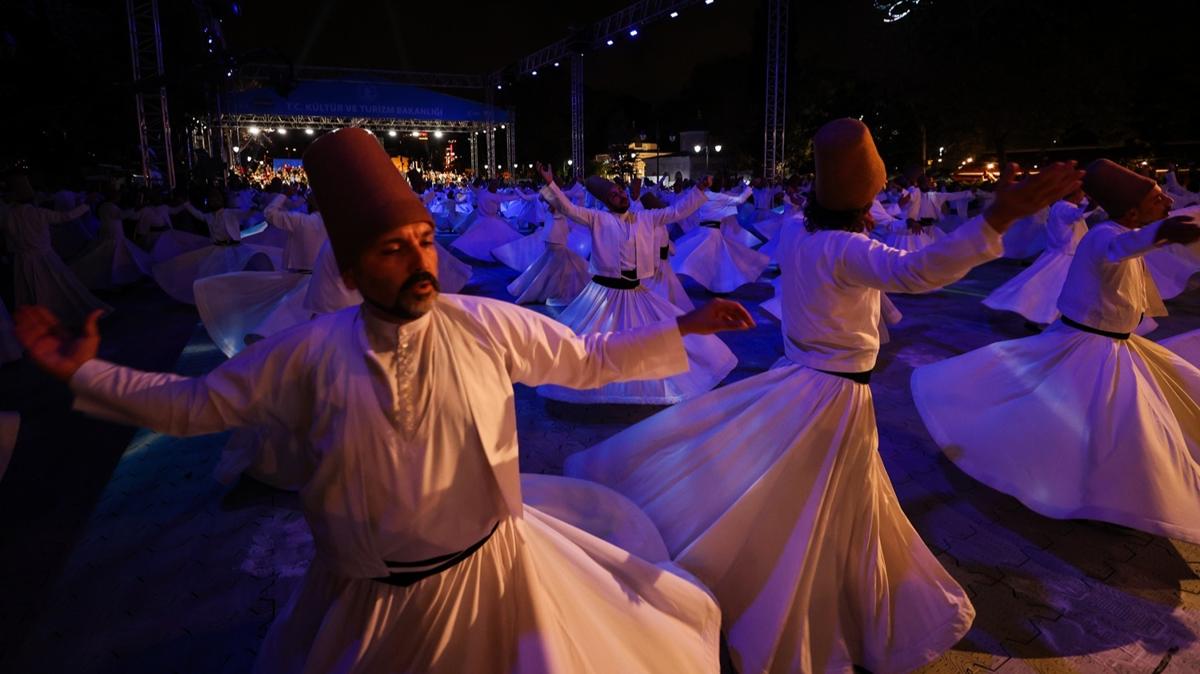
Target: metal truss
column 636, row 15
column 474, row 139
column 489, row 131
column 577, row 114
column 775, row 106
column 150, row 93
column 510, row 142
column 297, row 123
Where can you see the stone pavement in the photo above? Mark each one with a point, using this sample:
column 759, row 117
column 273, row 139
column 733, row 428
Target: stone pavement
column 176, row 573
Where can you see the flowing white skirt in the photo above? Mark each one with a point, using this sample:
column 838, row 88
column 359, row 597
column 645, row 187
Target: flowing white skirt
column 666, row 285
column 1026, row 238
column 716, row 261
column 555, row 278
column 771, row 491
column 733, row 230
column 235, row 305
column 540, row 597
column 173, row 243
column 1173, row 268
column 1034, row 292
column 601, row 309
column 1186, row 346
column 178, row 275
column 41, row 277
column 518, row 255
column 462, row 218
column 1074, row 425
column 10, row 348
column 112, row 262
column 483, row 236
column 770, row 226
column 453, row 273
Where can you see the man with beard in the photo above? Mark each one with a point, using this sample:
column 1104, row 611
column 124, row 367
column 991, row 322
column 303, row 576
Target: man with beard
column 427, row 560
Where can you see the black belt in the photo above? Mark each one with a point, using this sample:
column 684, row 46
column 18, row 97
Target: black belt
column 227, row 243
column 627, row 281
column 664, row 252
column 713, row 224
column 1095, row 331
column 442, row 562
column 856, row 377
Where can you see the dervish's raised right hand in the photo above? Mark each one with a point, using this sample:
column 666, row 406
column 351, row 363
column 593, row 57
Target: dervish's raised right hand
column 705, row 184
column 1179, row 229
column 545, row 172
column 1016, row 200
column 49, row 344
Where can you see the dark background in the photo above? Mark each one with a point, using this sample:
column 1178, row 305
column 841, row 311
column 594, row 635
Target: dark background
column 980, row 77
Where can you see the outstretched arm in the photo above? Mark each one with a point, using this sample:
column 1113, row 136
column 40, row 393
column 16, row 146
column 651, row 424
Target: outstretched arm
column 241, row 392
column 551, row 192
column 540, row 350
column 872, row 264
column 683, row 207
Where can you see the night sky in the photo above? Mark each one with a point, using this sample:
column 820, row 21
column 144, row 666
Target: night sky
column 979, row 76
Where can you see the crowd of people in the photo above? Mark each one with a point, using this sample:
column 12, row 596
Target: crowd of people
column 759, row 510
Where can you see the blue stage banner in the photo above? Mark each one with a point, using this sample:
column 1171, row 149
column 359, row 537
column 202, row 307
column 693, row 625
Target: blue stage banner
column 280, row 163
column 359, row 99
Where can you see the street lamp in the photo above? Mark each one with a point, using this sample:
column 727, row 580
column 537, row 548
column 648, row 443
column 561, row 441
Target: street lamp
column 697, row 148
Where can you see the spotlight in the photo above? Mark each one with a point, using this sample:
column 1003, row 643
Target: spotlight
column 609, row 43
column 309, row 132
column 236, row 149
column 717, row 148
column 501, row 126
column 633, row 33
column 392, row 133
column 437, row 134
column 556, row 64
column 674, row 15
column 696, row 149
column 253, row 130
column 535, row 73
column 281, row 131
column 570, row 162
column 499, row 86
column 708, row 2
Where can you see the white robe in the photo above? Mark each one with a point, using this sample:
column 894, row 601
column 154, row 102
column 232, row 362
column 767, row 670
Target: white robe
column 226, row 253
column 1034, row 292
column 112, row 259
column 557, row 275
column 772, row 492
column 628, row 242
column 540, row 596
column 1076, row 424
column 39, row 274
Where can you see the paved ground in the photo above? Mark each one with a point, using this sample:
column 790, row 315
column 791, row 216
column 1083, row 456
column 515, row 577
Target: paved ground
column 172, row 572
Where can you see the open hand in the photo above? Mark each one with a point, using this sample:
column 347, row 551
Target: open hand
column 1179, row 229
column 718, row 315
column 1016, row 200
column 50, row 346
column 545, row 172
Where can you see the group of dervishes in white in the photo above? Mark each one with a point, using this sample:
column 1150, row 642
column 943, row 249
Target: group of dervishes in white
column 760, row 510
